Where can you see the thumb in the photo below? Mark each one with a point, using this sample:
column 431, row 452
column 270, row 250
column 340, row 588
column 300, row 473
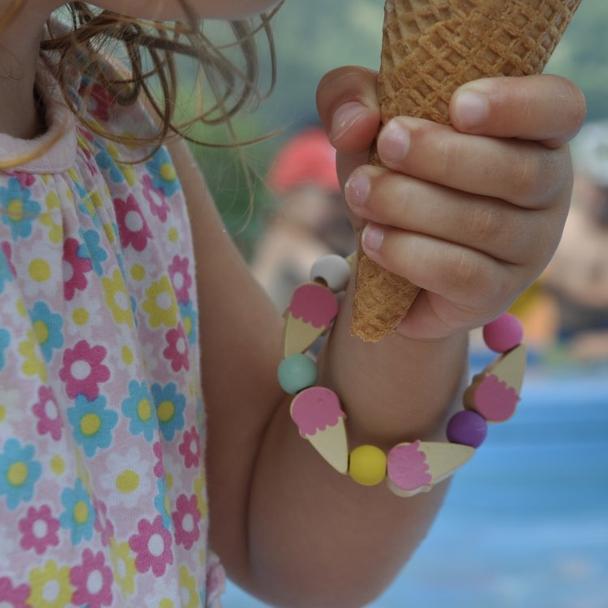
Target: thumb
column 348, row 107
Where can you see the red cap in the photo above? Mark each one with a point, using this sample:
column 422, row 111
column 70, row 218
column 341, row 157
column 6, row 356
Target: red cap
column 308, row 158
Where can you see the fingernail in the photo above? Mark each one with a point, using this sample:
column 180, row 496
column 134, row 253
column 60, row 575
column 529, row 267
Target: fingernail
column 394, row 142
column 345, row 117
column 471, row 109
column 357, row 189
column 372, row 237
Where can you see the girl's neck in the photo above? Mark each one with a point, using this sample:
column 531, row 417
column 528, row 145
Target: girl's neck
column 19, row 49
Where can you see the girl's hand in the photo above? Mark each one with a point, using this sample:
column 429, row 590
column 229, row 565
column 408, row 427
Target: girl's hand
column 471, row 213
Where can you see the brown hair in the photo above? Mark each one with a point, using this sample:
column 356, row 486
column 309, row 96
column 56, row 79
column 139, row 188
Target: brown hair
column 93, row 30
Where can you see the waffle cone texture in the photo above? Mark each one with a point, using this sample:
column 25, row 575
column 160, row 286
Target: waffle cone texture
column 430, row 48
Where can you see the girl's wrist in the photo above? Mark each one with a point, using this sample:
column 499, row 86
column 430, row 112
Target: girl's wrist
column 381, row 415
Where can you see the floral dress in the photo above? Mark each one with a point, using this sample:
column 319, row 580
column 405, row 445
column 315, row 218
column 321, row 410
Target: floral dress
column 102, row 423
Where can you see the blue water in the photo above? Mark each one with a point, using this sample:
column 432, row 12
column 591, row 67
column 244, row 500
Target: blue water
column 525, row 524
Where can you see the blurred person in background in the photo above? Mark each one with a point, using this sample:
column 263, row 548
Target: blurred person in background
column 578, row 274
column 309, row 219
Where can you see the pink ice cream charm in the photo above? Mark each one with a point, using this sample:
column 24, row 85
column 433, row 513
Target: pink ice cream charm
column 315, row 304
column 494, row 393
column 416, row 467
column 408, row 468
column 494, row 400
column 312, row 310
column 320, row 419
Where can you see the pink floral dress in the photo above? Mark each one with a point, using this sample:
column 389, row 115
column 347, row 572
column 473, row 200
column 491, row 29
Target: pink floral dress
column 102, row 423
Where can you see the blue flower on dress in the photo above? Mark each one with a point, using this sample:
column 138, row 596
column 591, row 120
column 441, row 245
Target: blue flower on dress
column 139, row 408
column 6, row 276
column 18, row 472
column 47, row 327
column 163, row 173
column 79, row 515
column 189, row 320
column 92, row 423
column 18, row 208
column 107, row 163
column 5, row 340
column 90, row 249
column 170, row 406
column 161, row 502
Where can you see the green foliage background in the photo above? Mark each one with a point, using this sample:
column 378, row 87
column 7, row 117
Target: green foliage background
column 315, row 36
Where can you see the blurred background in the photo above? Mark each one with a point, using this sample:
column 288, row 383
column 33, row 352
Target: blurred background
column 526, row 522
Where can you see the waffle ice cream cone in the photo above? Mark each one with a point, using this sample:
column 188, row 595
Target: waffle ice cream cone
column 430, row 48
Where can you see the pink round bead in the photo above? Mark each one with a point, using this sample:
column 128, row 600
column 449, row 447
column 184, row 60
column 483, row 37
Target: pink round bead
column 503, row 334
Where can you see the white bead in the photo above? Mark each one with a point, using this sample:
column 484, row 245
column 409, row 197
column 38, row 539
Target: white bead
column 333, row 269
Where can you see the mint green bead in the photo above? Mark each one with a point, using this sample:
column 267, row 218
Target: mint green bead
column 297, row 372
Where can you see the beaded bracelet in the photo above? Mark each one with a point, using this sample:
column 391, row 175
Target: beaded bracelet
column 409, row 467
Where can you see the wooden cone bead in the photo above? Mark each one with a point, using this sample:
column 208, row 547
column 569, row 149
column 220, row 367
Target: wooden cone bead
column 311, row 312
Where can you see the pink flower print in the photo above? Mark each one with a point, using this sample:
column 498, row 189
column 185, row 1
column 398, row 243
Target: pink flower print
column 85, row 133
column 177, row 351
column 83, row 370
column 156, row 199
column 131, row 223
column 102, row 100
column 6, row 250
column 38, row 530
column 17, row 596
column 181, row 278
column 159, row 467
column 215, row 578
column 45, row 409
column 152, row 544
column 186, row 519
column 190, row 448
column 74, row 268
column 103, row 524
column 25, row 179
column 92, row 581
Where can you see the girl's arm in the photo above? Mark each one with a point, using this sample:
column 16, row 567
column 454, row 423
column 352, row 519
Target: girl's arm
column 281, row 520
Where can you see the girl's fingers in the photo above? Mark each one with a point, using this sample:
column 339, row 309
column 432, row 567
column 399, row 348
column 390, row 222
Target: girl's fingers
column 467, row 278
column 492, row 226
column 348, row 107
column 432, row 317
column 523, row 173
column 544, row 108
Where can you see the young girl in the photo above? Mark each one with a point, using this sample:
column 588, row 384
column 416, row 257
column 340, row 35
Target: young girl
column 104, row 294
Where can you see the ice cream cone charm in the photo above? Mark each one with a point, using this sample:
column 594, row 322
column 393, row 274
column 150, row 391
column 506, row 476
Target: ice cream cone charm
column 495, row 392
column 417, row 467
column 313, row 308
column 320, row 419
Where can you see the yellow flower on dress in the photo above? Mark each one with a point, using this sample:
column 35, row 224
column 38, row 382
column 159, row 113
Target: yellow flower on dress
column 50, row 586
column 161, row 303
column 33, row 365
column 82, row 471
column 187, row 585
column 55, row 229
column 117, row 298
column 123, row 566
column 199, row 491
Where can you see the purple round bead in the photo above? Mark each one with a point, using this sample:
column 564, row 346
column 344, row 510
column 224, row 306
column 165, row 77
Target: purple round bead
column 503, row 334
column 467, row 428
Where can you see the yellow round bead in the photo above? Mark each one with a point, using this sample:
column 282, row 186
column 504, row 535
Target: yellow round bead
column 367, row 465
